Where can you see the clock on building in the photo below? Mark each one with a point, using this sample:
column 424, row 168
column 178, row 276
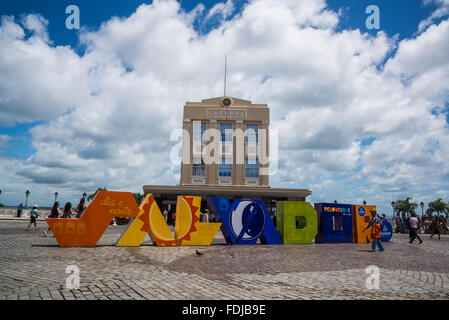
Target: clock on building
column 227, row 102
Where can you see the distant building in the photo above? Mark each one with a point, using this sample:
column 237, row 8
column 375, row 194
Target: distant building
column 234, row 163
column 228, row 116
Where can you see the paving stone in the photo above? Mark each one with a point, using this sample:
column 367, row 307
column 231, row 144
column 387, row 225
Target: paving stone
column 33, row 267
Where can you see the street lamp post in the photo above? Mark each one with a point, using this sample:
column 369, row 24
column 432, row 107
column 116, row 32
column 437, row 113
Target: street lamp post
column 392, row 205
column 422, row 209
column 56, row 196
column 27, row 194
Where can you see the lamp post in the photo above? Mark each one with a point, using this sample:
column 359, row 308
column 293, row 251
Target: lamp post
column 56, row 196
column 422, row 209
column 392, row 205
column 27, row 194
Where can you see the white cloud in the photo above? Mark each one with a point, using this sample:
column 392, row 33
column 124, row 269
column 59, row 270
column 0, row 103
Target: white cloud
column 109, row 114
column 441, row 11
column 223, row 9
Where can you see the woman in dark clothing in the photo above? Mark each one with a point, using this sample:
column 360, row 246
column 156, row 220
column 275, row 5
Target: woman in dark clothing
column 54, row 213
column 80, row 208
column 435, row 228
column 68, row 213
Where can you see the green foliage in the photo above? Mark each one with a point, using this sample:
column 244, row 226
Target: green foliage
column 138, row 197
column 1, row 205
column 438, row 207
column 92, row 195
column 405, row 207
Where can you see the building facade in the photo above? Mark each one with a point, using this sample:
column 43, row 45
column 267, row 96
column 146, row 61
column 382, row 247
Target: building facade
column 225, row 153
column 227, row 143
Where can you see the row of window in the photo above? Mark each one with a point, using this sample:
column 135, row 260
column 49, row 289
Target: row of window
column 225, row 168
column 252, row 132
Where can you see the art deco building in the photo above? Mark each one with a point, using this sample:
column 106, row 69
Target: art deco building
column 239, row 128
column 225, row 153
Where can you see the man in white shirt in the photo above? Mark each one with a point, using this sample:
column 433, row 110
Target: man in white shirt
column 414, row 228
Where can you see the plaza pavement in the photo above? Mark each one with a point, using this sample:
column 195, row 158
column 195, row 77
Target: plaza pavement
column 34, row 267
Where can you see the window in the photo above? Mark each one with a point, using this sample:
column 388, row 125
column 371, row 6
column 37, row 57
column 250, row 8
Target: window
column 251, row 168
column 198, row 130
column 337, row 223
column 225, row 167
column 252, row 133
column 226, row 132
column 198, row 168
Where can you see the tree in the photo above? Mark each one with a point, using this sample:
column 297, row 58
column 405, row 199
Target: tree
column 92, row 195
column 138, row 197
column 405, row 207
column 438, row 207
column 1, row 205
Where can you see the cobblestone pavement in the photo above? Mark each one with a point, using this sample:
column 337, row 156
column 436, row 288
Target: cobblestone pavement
column 34, row 267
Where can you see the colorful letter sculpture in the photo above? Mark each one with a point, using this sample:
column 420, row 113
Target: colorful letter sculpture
column 296, row 221
column 188, row 229
column 386, row 232
column 334, row 223
column 149, row 221
column 87, row 230
column 361, row 218
column 245, row 221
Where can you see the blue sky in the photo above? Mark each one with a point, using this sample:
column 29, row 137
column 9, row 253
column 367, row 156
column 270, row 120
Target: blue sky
column 399, row 17
column 23, row 137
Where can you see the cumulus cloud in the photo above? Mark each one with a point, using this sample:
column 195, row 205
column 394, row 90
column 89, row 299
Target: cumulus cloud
column 343, row 117
column 222, row 9
column 441, row 11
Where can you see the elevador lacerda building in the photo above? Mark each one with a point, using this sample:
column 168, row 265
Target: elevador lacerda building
column 225, row 153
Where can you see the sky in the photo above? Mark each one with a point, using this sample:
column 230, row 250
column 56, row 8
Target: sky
column 361, row 114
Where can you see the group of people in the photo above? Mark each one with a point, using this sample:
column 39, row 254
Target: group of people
column 433, row 224
column 56, row 212
column 170, row 216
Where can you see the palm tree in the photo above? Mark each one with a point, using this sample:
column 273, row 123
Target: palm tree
column 438, row 206
column 405, row 207
column 92, row 195
column 138, row 197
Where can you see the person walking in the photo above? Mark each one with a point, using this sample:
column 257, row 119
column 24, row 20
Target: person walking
column 67, row 213
column 414, row 229
column 55, row 212
column 435, row 228
column 165, row 215
column 174, row 218
column 375, row 224
column 33, row 216
column 80, row 208
column 19, row 210
column 398, row 223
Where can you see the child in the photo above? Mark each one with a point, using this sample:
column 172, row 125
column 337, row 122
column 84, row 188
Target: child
column 33, row 216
